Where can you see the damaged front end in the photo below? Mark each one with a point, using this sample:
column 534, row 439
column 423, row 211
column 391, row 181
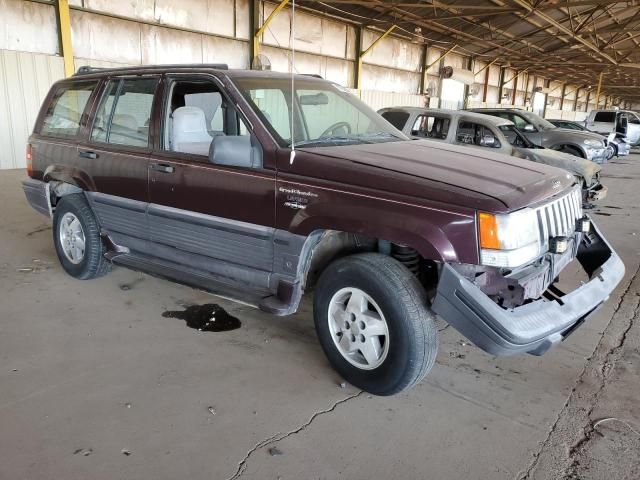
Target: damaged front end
column 510, row 311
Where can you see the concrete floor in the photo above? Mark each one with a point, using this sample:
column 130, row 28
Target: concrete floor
column 96, row 383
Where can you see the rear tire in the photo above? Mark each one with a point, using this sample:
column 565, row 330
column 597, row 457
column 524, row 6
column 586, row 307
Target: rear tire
column 76, row 236
column 374, row 323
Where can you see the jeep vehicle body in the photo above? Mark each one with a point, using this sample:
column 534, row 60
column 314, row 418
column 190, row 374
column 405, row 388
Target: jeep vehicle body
column 497, row 134
column 545, row 134
column 239, row 183
column 604, row 122
column 619, row 143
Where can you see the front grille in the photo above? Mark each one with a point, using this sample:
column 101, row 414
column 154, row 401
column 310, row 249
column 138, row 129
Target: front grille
column 557, row 218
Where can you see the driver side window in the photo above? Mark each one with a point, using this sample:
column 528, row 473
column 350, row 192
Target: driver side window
column 201, row 122
column 520, row 122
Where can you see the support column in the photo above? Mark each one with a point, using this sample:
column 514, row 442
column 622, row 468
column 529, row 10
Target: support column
column 599, row 88
column 357, row 71
column 64, row 33
column 485, row 87
column 423, row 69
column 471, row 65
column 501, row 83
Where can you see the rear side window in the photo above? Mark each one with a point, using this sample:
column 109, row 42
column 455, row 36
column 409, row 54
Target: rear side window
column 431, row 127
column 397, row 119
column 66, row 108
column 607, row 117
column 124, row 114
column 475, row 134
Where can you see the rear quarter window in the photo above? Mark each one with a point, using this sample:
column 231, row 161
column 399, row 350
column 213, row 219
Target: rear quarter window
column 397, row 119
column 62, row 118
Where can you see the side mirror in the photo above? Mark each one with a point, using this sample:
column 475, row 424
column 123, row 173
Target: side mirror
column 529, row 128
column 488, row 141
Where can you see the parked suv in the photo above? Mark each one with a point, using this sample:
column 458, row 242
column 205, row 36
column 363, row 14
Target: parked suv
column 616, row 141
column 239, row 183
column 476, row 130
column 625, row 122
column 545, row 134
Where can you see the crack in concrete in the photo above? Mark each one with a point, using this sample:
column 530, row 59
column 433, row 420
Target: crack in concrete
column 242, row 465
column 605, row 372
column 526, row 474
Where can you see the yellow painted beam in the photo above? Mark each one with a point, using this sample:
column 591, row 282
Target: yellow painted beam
column 377, row 40
column 486, row 66
column 441, row 57
column 515, row 76
column 367, row 51
column 260, row 31
column 64, row 23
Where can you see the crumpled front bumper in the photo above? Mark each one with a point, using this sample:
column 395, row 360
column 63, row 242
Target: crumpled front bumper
column 536, row 326
column 598, row 155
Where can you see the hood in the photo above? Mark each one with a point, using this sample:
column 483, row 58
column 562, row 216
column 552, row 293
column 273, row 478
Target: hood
column 512, row 181
column 576, row 165
column 575, row 136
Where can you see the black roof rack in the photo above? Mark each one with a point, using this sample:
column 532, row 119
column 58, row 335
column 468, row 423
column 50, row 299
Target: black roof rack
column 87, row 69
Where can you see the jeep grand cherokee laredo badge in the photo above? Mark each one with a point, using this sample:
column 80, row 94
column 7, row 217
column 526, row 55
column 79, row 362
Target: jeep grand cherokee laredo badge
column 186, row 172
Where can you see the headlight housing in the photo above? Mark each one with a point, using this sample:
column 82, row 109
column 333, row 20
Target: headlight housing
column 509, row 240
column 592, row 142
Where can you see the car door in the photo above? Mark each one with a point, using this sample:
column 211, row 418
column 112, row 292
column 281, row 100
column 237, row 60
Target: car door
column 210, row 212
column 115, row 153
column 521, row 123
column 633, row 127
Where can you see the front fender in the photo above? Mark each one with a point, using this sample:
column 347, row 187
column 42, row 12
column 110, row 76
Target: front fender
column 438, row 235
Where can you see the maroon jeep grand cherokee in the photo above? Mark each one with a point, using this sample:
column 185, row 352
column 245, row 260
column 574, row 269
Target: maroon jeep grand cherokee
column 187, row 172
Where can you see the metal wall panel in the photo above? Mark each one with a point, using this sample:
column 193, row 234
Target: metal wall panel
column 377, row 99
column 25, row 79
column 392, row 52
column 334, row 69
column 242, row 19
column 93, row 37
column 135, row 9
column 165, row 45
column 390, row 80
column 28, row 27
column 234, row 53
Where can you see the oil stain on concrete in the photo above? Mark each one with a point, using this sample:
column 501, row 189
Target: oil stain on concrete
column 209, row 317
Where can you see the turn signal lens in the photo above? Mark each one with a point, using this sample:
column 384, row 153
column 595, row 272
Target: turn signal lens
column 488, row 231
column 29, row 160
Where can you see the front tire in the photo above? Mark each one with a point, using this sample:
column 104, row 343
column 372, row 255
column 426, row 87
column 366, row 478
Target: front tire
column 374, row 323
column 76, row 236
column 571, row 151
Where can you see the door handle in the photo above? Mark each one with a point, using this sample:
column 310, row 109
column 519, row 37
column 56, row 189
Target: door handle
column 159, row 167
column 88, row 154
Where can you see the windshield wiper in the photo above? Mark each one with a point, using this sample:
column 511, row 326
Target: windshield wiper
column 380, row 135
column 325, row 140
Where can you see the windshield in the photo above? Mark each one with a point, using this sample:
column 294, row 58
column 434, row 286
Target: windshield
column 514, row 137
column 536, row 120
column 325, row 114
